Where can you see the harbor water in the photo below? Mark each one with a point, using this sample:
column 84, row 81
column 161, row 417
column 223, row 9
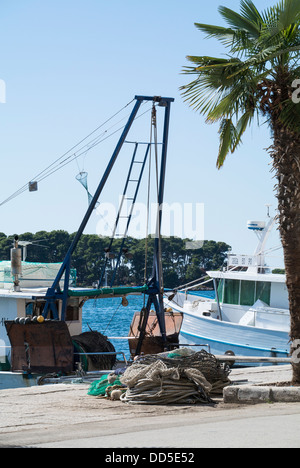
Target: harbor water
column 112, row 319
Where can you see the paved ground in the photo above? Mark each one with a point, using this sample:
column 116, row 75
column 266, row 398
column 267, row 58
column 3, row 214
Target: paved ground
column 261, row 375
column 63, row 415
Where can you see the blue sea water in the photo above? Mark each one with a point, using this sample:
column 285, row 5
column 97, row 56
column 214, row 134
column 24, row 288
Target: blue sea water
column 110, row 318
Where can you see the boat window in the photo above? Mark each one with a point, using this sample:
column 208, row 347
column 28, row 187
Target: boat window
column 34, row 308
column 231, row 291
column 263, row 291
column 244, row 293
column 247, row 293
column 29, row 309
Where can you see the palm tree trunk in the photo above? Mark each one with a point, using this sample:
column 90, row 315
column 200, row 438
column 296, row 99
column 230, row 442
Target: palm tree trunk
column 285, row 153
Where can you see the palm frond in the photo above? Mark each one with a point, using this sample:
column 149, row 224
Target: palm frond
column 236, row 39
column 281, row 23
column 239, row 99
column 235, row 20
column 203, row 94
column 290, row 115
column 227, row 134
column 255, row 77
column 288, row 13
column 251, row 13
column 205, row 63
column 225, row 35
column 242, row 125
column 212, row 85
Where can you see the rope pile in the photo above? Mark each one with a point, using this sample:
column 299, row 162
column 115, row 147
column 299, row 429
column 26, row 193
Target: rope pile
column 174, row 378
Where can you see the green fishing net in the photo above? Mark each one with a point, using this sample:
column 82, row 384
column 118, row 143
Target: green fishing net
column 99, row 387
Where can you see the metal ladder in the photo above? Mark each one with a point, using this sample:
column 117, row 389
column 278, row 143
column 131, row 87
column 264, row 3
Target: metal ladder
column 132, row 199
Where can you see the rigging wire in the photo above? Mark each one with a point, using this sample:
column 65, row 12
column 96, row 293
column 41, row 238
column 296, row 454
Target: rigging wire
column 59, row 163
column 158, row 221
column 148, row 207
column 22, row 189
column 153, row 135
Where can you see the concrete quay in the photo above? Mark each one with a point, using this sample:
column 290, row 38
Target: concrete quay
column 64, row 416
column 261, row 385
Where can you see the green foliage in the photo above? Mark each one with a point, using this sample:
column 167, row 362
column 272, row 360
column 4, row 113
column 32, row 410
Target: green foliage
column 262, row 61
column 278, row 271
column 180, row 264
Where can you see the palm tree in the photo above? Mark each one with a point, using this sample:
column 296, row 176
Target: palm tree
column 259, row 77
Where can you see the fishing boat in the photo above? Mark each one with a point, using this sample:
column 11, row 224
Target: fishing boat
column 32, row 345
column 23, row 287
column 41, row 309
column 249, row 313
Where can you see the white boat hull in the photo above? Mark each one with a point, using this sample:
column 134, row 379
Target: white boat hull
column 219, row 337
column 17, row 380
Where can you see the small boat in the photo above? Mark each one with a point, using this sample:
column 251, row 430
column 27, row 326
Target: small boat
column 153, row 342
column 249, row 314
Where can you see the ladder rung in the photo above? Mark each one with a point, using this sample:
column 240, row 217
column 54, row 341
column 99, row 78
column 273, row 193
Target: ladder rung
column 133, row 180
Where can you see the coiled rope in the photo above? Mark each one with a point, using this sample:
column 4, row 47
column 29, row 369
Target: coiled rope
column 158, row 379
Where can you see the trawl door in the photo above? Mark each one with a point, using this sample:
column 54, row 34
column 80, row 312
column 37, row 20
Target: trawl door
column 40, row 347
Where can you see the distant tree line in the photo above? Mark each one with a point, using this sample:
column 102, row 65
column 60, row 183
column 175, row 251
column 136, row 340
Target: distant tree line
column 180, row 265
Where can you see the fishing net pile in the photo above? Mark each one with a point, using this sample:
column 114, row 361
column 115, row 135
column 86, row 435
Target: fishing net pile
column 108, row 386
column 94, row 342
column 179, row 377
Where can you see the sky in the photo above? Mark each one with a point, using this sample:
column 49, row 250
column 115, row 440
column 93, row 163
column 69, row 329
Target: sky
column 69, row 65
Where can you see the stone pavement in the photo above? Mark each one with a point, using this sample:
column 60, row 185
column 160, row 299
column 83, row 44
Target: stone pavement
column 63, row 415
column 261, row 375
column 254, row 385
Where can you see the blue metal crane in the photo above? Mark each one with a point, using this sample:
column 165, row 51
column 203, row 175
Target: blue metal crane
column 154, row 287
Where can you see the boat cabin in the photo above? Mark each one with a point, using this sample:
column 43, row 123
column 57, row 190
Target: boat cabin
column 247, row 280
column 245, row 290
column 251, row 295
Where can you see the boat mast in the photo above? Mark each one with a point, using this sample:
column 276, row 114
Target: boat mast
column 264, row 237
column 262, row 231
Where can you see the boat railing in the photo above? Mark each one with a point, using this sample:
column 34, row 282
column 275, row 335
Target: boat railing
column 177, row 293
column 197, row 285
column 191, row 284
column 186, row 345
column 260, row 313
